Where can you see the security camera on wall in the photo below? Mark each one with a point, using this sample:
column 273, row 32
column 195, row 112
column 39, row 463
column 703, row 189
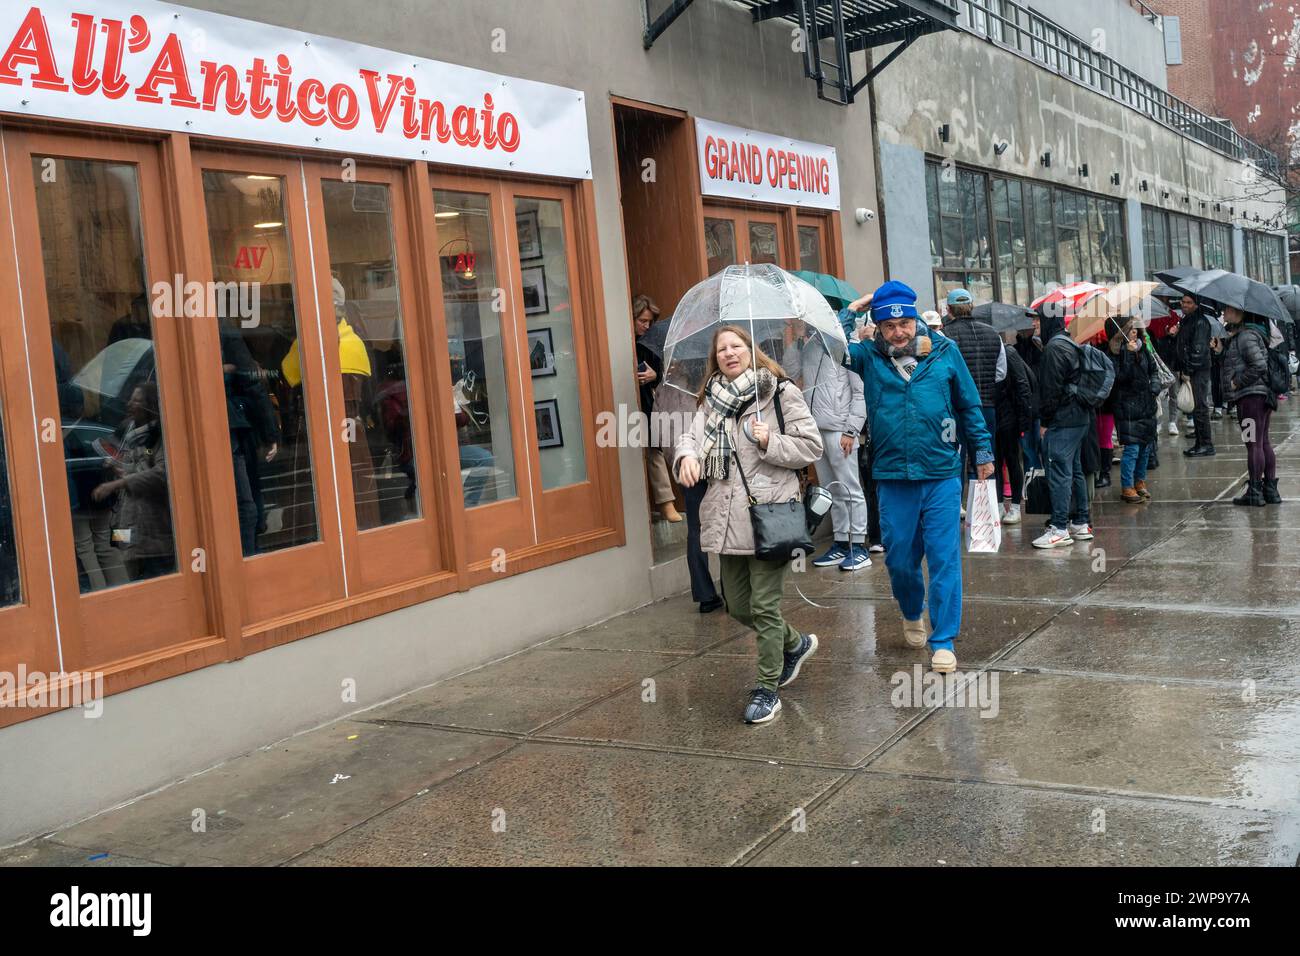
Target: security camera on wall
column 864, row 215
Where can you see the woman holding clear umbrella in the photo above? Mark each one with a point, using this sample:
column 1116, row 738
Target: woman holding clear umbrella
column 738, row 447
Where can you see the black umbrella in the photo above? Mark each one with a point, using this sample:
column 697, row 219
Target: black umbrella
column 1003, row 317
column 1174, row 276
column 1217, row 329
column 1290, row 296
column 1164, row 291
column 1231, row 290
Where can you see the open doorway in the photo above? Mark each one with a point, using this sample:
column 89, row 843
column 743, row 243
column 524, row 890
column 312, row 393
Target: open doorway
column 663, row 237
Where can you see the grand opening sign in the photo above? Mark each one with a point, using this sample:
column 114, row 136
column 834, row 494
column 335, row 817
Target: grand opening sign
column 745, row 164
column 158, row 66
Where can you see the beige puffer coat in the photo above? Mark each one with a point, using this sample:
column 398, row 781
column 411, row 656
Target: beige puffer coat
column 725, row 526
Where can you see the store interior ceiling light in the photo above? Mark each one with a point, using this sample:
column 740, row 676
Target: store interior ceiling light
column 267, row 225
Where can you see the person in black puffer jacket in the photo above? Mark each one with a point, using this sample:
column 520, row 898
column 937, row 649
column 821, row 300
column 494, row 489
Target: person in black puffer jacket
column 1135, row 408
column 1245, row 383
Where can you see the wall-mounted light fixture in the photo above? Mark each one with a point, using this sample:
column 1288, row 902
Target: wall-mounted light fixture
column 1164, row 194
column 1187, row 200
column 1218, row 207
column 1000, row 148
column 1114, row 179
column 1046, row 159
column 1083, row 170
column 944, row 133
column 1145, row 187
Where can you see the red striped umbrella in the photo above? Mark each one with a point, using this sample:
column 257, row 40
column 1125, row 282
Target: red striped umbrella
column 1068, row 299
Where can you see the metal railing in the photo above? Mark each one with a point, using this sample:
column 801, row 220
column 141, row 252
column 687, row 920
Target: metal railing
column 1155, row 19
column 1014, row 27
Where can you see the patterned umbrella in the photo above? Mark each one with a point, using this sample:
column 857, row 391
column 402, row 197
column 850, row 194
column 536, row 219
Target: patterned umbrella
column 1068, row 299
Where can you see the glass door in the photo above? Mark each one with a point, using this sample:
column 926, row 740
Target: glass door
column 735, row 236
column 281, row 416
column 104, row 340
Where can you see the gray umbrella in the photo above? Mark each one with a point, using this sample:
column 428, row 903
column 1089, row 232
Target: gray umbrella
column 1003, row 317
column 1231, row 290
column 1290, row 296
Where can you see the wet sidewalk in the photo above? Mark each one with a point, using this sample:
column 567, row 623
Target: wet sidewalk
column 1141, row 705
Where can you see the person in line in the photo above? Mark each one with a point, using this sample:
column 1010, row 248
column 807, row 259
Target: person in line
column 1164, row 333
column 866, row 459
column 933, row 322
column 838, row 408
column 1246, row 383
column 1194, row 363
column 916, row 385
column 1137, row 411
column 649, row 371
column 1105, row 431
column 1029, row 346
column 985, row 356
column 1015, row 417
column 717, row 449
column 1065, row 425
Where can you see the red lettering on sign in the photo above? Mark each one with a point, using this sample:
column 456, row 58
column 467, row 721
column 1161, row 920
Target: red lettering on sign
column 250, row 257
column 31, row 45
column 169, row 68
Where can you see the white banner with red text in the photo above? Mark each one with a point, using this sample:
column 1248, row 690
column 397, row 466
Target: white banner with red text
column 158, row 66
column 745, row 164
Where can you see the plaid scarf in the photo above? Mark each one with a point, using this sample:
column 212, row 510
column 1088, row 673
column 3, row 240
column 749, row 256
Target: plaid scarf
column 726, row 400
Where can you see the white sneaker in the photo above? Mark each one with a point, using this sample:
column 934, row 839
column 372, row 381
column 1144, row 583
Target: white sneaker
column 1173, row 429
column 1080, row 532
column 1012, row 515
column 1053, row 538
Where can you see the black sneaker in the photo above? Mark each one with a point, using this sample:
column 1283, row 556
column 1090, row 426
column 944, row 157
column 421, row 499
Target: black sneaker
column 763, row 706
column 708, row 607
column 794, row 659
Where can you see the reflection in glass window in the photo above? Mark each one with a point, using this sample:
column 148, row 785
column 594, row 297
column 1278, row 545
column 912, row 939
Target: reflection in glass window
column 368, row 309
column 480, row 398
column 720, row 244
column 102, row 331
column 810, row 249
column 763, row 245
column 266, row 405
column 10, row 586
column 552, row 350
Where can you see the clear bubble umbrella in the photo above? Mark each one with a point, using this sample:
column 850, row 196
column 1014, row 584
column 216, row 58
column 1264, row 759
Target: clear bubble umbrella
column 786, row 317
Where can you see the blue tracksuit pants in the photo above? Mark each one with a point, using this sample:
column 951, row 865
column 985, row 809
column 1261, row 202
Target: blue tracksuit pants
column 923, row 519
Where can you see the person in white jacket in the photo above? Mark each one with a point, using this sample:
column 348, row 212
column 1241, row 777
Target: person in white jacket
column 836, row 400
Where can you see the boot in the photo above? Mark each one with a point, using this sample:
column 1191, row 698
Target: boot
column 1154, row 461
column 1252, row 497
column 1271, row 494
column 1130, row 496
column 1200, row 451
column 1141, row 488
column 1103, row 476
column 670, row 513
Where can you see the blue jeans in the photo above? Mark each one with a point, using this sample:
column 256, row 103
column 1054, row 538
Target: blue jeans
column 1065, row 481
column 1134, row 466
column 923, row 519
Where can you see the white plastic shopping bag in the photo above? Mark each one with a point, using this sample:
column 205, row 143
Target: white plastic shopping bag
column 983, row 518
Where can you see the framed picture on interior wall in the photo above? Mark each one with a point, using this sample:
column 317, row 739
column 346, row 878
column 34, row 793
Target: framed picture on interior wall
column 541, row 353
column 530, row 235
column 535, row 302
column 549, row 434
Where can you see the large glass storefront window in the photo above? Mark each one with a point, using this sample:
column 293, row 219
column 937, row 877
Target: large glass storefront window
column 372, row 352
column 1013, row 240
column 1169, row 239
column 480, row 400
column 266, row 406
column 552, row 351
column 101, row 325
column 1265, row 257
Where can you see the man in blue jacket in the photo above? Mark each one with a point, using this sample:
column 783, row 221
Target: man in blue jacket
column 923, row 405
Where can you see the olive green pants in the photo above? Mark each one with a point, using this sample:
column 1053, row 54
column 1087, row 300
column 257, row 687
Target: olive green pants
column 752, row 590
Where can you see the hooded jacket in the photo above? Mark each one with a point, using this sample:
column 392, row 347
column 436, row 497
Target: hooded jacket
column 918, row 424
column 1059, row 368
column 1245, row 363
column 1192, row 346
column 834, row 394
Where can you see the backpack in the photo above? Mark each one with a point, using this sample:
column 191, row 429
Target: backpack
column 1095, row 379
column 1279, row 368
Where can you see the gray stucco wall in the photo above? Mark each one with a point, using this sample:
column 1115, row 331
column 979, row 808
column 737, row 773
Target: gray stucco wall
column 713, row 63
column 1121, row 32
column 907, row 224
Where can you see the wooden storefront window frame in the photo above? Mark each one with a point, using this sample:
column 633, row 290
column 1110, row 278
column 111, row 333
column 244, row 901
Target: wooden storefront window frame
column 182, row 248
column 136, row 621
column 787, row 219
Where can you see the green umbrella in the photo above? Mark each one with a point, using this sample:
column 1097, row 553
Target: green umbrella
column 836, row 291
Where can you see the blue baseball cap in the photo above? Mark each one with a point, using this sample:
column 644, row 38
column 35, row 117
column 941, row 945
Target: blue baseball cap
column 893, row 300
column 960, row 297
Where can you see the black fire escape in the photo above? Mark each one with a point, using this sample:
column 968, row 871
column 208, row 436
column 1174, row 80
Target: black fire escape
column 833, row 30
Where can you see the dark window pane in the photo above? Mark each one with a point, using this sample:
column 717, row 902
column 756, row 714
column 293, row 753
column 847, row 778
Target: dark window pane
column 720, row 244
column 10, row 584
column 266, row 405
column 810, row 249
column 102, row 327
